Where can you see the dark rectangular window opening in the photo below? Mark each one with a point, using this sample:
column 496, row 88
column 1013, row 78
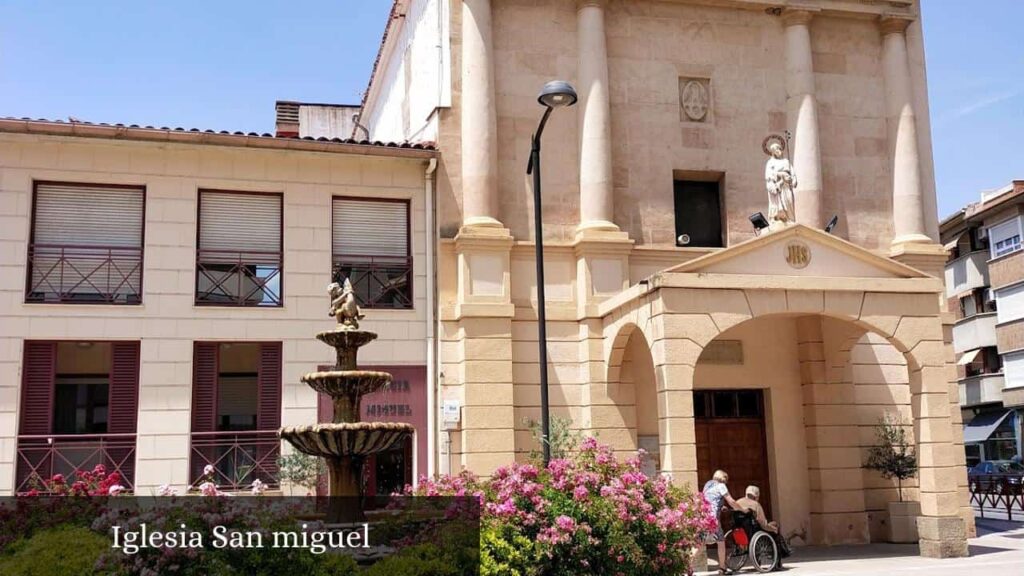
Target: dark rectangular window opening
column 716, row 404
column 698, row 214
column 238, row 387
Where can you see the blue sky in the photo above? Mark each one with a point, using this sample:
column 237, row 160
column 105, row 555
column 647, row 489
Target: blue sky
column 222, row 64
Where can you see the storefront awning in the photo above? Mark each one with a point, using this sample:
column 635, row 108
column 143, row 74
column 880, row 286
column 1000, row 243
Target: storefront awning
column 968, row 357
column 983, row 425
column 954, row 241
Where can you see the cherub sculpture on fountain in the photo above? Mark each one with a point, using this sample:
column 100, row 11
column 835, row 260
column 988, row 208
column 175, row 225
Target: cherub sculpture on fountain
column 343, row 305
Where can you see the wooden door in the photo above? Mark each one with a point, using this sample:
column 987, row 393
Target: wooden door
column 730, row 434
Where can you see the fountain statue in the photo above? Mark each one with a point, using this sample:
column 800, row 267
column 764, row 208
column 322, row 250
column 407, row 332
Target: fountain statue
column 346, row 442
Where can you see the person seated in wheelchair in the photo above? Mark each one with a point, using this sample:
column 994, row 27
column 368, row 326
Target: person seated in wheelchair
column 759, row 522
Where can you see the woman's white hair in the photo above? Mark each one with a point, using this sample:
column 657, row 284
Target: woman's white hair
column 754, row 492
column 721, row 476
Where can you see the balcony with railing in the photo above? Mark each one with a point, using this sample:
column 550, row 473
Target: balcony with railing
column 237, row 458
column 39, row 458
column 977, row 331
column 984, row 388
column 967, row 272
column 378, row 281
column 230, row 278
column 70, row 274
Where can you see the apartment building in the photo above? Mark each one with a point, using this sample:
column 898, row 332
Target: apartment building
column 161, row 289
column 985, row 292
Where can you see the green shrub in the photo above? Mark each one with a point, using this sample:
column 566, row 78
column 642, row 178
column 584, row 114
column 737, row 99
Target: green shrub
column 504, row 552
column 62, row 551
column 454, row 552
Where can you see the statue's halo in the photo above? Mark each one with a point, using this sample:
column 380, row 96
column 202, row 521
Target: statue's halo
column 773, row 138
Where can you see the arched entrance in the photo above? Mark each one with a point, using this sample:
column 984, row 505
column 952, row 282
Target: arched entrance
column 789, row 403
column 848, row 331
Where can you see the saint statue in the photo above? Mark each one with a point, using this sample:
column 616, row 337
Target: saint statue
column 780, row 180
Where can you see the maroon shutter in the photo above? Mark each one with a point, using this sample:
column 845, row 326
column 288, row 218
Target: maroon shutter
column 268, row 415
column 124, row 388
column 37, row 389
column 204, row 387
column 37, row 384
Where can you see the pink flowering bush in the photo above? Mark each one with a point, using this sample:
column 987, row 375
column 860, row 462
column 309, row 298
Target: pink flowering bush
column 586, row 514
column 95, row 482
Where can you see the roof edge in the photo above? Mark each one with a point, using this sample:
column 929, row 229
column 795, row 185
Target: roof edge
column 212, row 138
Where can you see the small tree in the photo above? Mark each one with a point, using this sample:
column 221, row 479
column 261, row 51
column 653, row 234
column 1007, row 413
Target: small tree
column 893, row 456
column 301, row 469
column 563, row 441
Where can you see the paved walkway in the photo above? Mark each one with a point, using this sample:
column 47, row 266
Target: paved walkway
column 998, row 550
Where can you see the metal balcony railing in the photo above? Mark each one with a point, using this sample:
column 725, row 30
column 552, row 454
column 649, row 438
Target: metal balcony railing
column 228, row 278
column 238, row 458
column 378, row 281
column 72, row 274
column 40, row 457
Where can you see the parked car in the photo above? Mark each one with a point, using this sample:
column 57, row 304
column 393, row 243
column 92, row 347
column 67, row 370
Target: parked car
column 995, row 472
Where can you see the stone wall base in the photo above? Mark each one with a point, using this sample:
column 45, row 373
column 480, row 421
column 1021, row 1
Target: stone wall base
column 830, row 529
column 942, row 537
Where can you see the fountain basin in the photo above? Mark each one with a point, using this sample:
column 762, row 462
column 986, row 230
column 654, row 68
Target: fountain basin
column 336, row 383
column 346, row 439
column 349, row 339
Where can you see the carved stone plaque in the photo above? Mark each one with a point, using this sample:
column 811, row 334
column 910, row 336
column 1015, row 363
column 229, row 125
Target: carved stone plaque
column 695, row 99
column 798, row 254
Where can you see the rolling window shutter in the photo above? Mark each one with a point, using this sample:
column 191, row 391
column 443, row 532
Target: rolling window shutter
column 97, row 230
column 370, row 228
column 234, row 222
column 37, row 385
column 124, row 388
column 268, row 416
column 204, row 387
column 88, row 216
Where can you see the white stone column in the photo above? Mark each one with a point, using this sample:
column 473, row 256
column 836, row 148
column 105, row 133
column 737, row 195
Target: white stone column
column 597, row 206
column 802, row 116
column 907, row 191
column 479, row 118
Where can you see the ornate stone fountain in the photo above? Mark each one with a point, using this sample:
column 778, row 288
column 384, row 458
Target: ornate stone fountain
column 346, row 442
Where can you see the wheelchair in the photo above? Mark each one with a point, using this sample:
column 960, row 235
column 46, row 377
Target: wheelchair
column 747, row 542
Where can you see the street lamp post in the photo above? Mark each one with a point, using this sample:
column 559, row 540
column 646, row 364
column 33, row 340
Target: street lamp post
column 555, row 94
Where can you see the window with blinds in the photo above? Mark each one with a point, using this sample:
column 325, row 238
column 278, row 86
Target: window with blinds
column 86, row 244
column 239, row 258
column 370, row 243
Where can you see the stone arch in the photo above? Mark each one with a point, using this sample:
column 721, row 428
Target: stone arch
column 630, row 418
column 910, row 322
column 819, row 405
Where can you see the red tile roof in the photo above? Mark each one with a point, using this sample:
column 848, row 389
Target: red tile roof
column 222, row 137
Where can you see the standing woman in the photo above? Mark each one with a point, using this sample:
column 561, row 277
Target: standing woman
column 717, row 494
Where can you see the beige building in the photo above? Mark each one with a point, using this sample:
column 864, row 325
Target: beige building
column 985, row 292
column 671, row 325
column 161, row 290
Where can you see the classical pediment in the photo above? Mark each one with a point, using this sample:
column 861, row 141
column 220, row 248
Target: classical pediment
column 798, row 251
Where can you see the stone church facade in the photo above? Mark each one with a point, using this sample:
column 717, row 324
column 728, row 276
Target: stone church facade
column 672, row 324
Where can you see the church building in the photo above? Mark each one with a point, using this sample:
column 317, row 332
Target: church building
column 694, row 308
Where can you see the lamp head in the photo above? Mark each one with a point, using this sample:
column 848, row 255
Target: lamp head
column 557, row 94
